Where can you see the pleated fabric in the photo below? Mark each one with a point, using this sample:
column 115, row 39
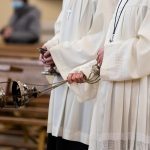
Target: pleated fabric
column 121, row 119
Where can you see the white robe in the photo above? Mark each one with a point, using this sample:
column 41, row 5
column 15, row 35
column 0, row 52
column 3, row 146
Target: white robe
column 67, row 117
column 121, row 118
column 87, row 91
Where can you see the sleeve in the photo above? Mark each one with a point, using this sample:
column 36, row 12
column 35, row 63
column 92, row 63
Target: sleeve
column 30, row 35
column 55, row 40
column 69, row 55
column 128, row 60
column 86, row 68
column 85, row 91
column 80, row 55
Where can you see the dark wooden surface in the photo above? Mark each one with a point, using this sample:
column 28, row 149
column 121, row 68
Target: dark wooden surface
column 29, row 123
column 28, row 51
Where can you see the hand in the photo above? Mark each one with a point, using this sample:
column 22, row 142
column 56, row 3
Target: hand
column 41, row 57
column 76, row 78
column 7, row 32
column 48, row 59
column 100, row 56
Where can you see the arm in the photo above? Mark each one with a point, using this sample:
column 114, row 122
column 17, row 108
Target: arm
column 46, row 58
column 82, row 49
column 86, row 48
column 80, row 74
column 128, row 60
column 69, row 55
column 55, row 40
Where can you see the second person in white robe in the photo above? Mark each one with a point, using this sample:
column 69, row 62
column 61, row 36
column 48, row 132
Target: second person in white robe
column 121, row 118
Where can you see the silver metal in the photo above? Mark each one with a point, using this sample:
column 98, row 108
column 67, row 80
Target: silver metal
column 22, row 94
column 2, row 98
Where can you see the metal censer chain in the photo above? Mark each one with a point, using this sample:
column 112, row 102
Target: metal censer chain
column 22, row 94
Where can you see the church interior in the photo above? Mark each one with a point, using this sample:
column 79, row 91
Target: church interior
column 24, row 128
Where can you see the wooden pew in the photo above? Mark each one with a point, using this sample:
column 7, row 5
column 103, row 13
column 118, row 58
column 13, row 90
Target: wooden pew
column 21, row 51
column 28, row 124
column 31, row 121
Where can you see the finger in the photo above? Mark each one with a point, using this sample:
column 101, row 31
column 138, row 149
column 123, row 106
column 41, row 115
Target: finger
column 82, row 77
column 70, row 78
column 50, row 62
column 100, row 58
column 77, row 78
column 42, row 50
column 73, row 79
column 99, row 63
column 98, row 52
column 47, row 54
column 41, row 58
column 47, row 65
column 48, row 59
column 44, row 47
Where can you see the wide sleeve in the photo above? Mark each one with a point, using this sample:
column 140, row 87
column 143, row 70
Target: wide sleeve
column 69, row 55
column 127, row 60
column 80, row 55
column 86, row 68
column 85, row 91
column 55, row 40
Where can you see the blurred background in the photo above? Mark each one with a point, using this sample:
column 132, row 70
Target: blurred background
column 49, row 10
column 24, row 27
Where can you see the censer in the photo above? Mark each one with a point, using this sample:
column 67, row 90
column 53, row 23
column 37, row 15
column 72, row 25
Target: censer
column 22, row 94
column 2, row 98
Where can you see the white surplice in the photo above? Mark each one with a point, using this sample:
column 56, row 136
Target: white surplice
column 87, row 91
column 77, row 26
column 121, row 118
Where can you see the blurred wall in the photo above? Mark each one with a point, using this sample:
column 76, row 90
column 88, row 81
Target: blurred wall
column 49, row 9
